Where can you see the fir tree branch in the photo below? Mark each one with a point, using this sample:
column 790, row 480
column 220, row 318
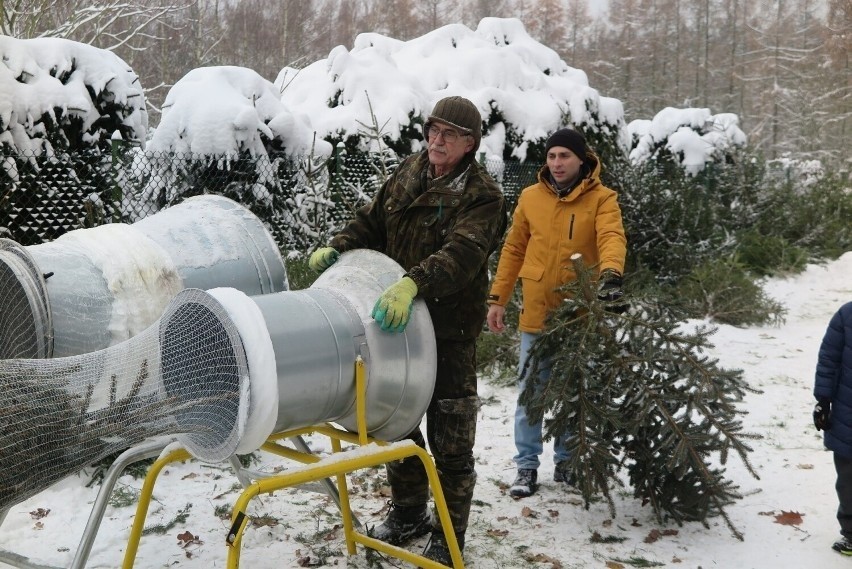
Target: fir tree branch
column 637, row 391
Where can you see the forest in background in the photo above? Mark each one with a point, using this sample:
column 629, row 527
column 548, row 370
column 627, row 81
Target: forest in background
column 783, row 66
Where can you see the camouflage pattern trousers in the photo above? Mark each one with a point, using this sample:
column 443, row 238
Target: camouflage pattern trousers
column 451, row 431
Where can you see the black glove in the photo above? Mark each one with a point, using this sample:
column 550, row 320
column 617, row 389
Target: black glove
column 822, row 414
column 609, row 291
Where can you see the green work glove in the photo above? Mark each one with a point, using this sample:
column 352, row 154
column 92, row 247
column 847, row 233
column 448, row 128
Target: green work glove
column 393, row 309
column 323, row 258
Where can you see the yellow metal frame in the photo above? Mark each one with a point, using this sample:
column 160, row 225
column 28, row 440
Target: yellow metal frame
column 370, row 454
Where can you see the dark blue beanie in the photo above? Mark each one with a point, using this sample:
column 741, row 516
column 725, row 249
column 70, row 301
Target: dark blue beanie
column 570, row 139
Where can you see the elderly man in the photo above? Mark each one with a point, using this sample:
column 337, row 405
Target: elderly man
column 440, row 215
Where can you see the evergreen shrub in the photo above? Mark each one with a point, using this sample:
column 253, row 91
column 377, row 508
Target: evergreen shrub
column 299, row 275
column 770, row 254
column 722, row 290
column 812, row 214
column 497, row 354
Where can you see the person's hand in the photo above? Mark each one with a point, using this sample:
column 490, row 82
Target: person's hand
column 393, row 308
column 822, row 414
column 323, row 258
column 495, row 318
column 609, row 291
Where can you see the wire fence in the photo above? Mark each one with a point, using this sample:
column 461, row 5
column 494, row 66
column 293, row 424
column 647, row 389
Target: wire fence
column 302, row 200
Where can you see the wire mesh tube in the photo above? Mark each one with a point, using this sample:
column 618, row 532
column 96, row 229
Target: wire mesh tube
column 221, row 371
column 93, row 288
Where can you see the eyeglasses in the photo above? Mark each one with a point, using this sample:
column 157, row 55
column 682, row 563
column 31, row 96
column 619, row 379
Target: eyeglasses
column 449, row 135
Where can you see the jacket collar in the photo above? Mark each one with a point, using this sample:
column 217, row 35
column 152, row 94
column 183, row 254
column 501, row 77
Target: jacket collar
column 455, row 181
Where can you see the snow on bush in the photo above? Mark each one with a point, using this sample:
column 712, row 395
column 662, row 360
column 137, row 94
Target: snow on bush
column 693, row 137
column 224, row 111
column 60, row 93
column 522, row 88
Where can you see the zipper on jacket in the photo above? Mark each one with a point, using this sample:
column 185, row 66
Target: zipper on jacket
column 571, row 228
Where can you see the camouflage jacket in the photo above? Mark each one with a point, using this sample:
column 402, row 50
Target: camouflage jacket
column 442, row 232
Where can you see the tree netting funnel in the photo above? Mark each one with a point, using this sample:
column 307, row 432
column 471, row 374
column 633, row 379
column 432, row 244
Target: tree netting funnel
column 221, row 371
column 93, row 288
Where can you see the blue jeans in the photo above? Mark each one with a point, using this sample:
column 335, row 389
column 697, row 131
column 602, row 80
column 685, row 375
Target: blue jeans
column 528, row 435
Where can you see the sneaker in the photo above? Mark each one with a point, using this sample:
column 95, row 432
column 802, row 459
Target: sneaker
column 525, row 483
column 403, row 524
column 437, row 549
column 843, row 546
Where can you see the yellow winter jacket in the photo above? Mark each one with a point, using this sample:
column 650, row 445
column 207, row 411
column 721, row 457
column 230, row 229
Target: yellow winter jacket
column 546, row 231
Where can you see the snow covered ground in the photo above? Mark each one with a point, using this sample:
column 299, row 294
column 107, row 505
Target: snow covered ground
column 297, row 527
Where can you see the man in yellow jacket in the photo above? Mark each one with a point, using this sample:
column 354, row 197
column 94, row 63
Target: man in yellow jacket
column 568, row 211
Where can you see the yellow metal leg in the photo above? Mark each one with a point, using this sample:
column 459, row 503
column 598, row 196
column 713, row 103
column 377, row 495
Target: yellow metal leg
column 145, row 501
column 339, row 464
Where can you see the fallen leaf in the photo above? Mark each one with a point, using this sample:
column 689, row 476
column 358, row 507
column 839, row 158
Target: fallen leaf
column 614, row 565
column 39, row 513
column 542, row 558
column 788, row 518
column 805, row 466
column 186, row 539
column 528, row 512
column 497, row 532
column 656, row 534
column 190, row 476
column 553, row 513
column 264, row 521
column 331, row 535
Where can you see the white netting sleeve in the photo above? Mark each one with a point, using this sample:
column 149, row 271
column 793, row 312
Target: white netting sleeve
column 183, row 375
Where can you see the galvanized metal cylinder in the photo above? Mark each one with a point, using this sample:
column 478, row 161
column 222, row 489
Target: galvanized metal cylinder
column 315, row 336
column 316, row 358
column 104, row 285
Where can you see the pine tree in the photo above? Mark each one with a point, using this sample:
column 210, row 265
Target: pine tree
column 637, row 392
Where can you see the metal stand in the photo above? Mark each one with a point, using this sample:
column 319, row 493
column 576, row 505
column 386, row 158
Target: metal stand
column 369, row 454
column 143, row 451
